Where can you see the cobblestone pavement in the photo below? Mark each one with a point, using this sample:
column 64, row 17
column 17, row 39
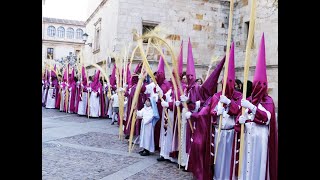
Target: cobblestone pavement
column 75, row 147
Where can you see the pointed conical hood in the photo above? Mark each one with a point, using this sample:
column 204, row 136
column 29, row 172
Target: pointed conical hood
column 113, row 76
column 191, row 74
column 96, row 81
column 84, row 76
column 231, row 74
column 161, row 65
column 190, row 61
column 180, row 61
column 261, row 71
column 71, row 77
column 211, row 83
column 160, row 72
column 128, row 74
column 65, row 75
column 136, row 72
column 260, row 83
column 138, row 68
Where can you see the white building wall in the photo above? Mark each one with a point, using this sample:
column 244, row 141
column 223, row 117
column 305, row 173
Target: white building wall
column 108, row 35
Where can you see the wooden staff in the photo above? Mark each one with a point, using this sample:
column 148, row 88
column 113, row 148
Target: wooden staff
column 136, row 93
column 177, row 78
column 67, row 90
column 175, row 84
column 133, row 108
column 88, row 96
column 118, row 61
column 246, row 72
column 225, row 74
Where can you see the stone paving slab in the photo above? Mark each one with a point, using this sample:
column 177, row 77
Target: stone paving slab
column 162, row 170
column 100, row 140
column 76, row 147
column 60, row 162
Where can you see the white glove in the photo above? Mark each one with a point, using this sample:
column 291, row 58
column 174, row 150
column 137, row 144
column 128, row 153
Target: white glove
column 125, row 85
column 220, row 109
column 184, row 98
column 155, row 97
column 244, row 117
column 121, row 89
column 177, row 103
column 247, row 104
column 67, row 84
column 225, row 114
column 81, row 85
column 70, row 89
column 89, row 89
column 224, row 99
column 158, row 89
column 104, row 92
column 164, row 104
column 198, row 103
column 140, row 76
column 188, row 115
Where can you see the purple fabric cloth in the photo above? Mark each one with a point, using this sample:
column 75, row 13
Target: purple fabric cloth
column 113, row 76
column 95, row 85
column 140, row 104
column 72, row 85
column 202, row 93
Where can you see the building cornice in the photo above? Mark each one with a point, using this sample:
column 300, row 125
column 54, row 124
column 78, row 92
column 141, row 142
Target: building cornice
column 64, row 24
column 95, row 11
column 61, row 42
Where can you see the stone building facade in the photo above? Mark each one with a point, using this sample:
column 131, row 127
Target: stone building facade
column 60, row 37
column 111, row 23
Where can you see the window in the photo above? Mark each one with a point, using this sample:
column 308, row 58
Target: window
column 70, row 33
column 61, row 32
column 79, row 33
column 77, row 53
column 50, row 53
column 247, row 25
column 51, row 31
column 97, row 40
column 96, row 46
column 147, row 27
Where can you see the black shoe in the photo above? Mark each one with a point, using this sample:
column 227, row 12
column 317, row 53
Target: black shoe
column 145, row 153
column 161, row 159
column 112, row 123
column 140, row 152
column 127, row 137
column 181, row 167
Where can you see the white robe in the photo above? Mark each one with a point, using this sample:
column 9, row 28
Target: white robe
column 69, row 101
column 255, row 149
column 44, row 93
column 94, row 104
column 42, row 90
column 223, row 159
column 62, row 100
column 147, row 129
column 109, row 113
column 165, row 141
column 82, row 107
column 51, row 101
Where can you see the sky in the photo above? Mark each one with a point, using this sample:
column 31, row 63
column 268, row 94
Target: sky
column 66, row 9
